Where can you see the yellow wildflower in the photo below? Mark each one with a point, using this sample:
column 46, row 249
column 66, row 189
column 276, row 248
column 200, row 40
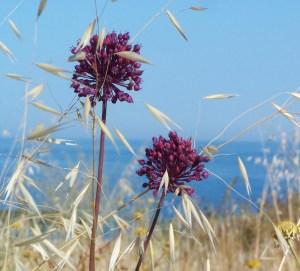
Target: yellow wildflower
column 289, row 230
column 253, row 263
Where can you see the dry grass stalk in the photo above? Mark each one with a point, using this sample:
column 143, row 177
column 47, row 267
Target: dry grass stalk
column 14, row 28
column 46, row 108
column 36, row 91
column 133, row 56
column 125, row 141
column 245, row 176
column 41, row 7
column 176, row 24
column 220, row 96
column 162, row 117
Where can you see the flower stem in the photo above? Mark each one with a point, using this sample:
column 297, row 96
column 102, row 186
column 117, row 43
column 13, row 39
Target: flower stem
column 155, row 218
column 98, row 192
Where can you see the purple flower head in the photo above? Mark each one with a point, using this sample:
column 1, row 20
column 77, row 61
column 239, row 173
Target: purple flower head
column 177, row 156
column 101, row 73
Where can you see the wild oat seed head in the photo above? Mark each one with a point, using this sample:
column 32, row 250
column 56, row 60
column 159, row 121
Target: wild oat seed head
column 289, row 230
column 101, row 73
column 253, row 263
column 177, row 156
column 138, row 215
column 140, row 232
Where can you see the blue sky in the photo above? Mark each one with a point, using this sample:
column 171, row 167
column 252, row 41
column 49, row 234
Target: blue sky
column 251, row 48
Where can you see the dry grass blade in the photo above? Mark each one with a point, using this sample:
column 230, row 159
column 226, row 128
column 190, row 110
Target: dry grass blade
column 70, row 226
column 40, row 132
column 176, row 24
column 197, row 8
column 34, row 239
column 295, row 94
column 187, row 209
column 164, row 182
column 126, row 251
column 50, row 68
column 124, row 141
column 172, row 244
column 115, row 254
column 122, row 224
column 41, row 7
column 15, row 29
column 19, row 265
column 53, row 70
column 29, row 199
column 206, row 224
column 7, row 51
column 162, row 117
column 132, row 56
column 31, row 182
column 282, row 242
column 283, row 111
column 195, row 214
column 220, row 96
column 62, row 263
column 245, row 176
column 85, row 39
column 87, row 109
column 46, row 108
column 38, row 162
column 80, row 196
column 14, row 178
column 59, row 141
column 86, row 227
column 17, row 77
column 106, row 131
column 207, row 264
column 181, row 218
column 59, row 253
column 72, row 175
column 208, row 229
column 101, row 39
column 210, row 150
column 36, row 91
column 41, row 251
column 58, row 186
column 79, row 56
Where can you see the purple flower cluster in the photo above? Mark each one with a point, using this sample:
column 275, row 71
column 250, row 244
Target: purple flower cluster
column 177, row 156
column 101, row 73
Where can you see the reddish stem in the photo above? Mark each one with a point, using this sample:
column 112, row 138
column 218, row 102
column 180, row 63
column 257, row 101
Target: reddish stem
column 155, row 218
column 98, row 191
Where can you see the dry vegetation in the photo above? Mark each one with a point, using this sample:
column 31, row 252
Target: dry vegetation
column 56, row 236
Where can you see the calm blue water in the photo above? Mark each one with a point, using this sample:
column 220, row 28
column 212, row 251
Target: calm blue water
column 208, row 192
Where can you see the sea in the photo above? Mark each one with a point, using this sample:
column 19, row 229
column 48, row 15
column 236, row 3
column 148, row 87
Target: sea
column 121, row 164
